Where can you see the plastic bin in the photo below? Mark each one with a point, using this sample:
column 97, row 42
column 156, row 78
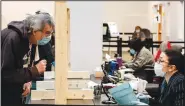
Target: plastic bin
column 123, row 94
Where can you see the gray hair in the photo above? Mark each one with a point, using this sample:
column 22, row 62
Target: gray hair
column 177, row 48
column 163, row 46
column 37, row 21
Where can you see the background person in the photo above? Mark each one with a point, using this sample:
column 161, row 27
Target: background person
column 142, row 57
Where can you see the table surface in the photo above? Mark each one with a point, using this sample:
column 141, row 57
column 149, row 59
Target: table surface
column 85, row 102
column 73, row 102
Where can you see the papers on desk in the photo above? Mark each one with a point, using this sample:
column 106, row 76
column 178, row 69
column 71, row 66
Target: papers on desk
column 49, row 75
column 138, row 84
column 123, row 67
column 128, row 70
column 109, row 84
column 129, row 76
column 134, row 84
column 107, row 57
column 91, row 84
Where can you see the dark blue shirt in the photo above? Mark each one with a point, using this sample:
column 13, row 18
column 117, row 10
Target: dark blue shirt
column 172, row 93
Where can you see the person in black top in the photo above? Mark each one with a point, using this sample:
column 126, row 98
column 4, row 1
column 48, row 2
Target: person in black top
column 45, row 52
column 15, row 44
column 45, row 48
column 172, row 87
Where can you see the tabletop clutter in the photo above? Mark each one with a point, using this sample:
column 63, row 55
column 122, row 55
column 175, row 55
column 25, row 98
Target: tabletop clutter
column 122, row 85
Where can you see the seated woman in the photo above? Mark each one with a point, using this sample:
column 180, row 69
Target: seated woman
column 157, row 67
column 144, row 34
column 142, row 57
column 164, row 46
column 138, row 34
column 172, row 88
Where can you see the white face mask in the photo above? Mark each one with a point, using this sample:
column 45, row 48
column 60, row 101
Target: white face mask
column 137, row 31
column 158, row 70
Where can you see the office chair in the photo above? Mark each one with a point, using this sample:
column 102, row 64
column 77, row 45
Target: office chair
column 150, row 74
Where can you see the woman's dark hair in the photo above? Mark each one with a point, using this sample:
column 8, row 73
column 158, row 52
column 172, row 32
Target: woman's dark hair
column 136, row 44
column 175, row 58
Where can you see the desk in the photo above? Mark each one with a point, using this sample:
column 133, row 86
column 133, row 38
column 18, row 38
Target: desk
column 74, row 102
column 86, row 102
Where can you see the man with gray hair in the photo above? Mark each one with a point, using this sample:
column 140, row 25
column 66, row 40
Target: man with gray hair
column 15, row 45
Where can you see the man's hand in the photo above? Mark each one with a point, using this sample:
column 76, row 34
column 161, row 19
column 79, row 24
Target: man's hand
column 41, row 66
column 26, row 88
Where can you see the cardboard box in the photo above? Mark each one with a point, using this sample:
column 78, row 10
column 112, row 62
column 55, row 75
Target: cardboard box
column 99, row 74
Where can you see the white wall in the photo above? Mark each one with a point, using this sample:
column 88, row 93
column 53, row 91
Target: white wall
column 173, row 20
column 17, row 10
column 87, row 18
column 86, row 34
column 86, row 28
column 127, row 15
column 176, row 20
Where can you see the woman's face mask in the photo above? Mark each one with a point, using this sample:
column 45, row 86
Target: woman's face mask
column 132, row 51
column 158, row 68
column 137, row 31
column 44, row 41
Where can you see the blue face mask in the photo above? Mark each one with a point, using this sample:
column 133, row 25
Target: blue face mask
column 44, row 40
column 132, row 51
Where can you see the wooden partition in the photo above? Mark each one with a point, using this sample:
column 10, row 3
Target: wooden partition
column 61, row 52
column 63, row 73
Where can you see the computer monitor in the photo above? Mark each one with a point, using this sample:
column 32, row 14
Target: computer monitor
column 113, row 29
column 106, row 32
column 110, row 30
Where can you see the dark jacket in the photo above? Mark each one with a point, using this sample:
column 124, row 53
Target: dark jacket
column 14, row 46
column 172, row 94
column 147, row 33
column 45, row 52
